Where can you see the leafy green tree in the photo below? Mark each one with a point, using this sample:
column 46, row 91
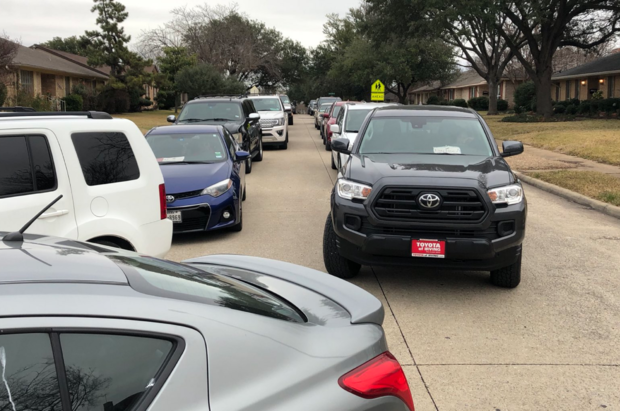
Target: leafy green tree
column 74, row 44
column 204, row 79
column 174, row 60
column 547, row 25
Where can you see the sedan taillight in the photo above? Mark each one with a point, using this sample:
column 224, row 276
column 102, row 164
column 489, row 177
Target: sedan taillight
column 379, row 377
column 162, row 202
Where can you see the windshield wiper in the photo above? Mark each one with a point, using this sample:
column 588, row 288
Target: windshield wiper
column 186, row 162
column 193, row 120
column 218, row 119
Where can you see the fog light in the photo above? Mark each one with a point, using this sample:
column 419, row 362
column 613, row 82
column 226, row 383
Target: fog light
column 280, row 132
column 226, row 215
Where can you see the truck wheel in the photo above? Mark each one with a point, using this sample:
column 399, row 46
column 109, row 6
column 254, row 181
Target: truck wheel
column 290, row 122
column 335, row 264
column 248, row 165
column 259, row 156
column 508, row 277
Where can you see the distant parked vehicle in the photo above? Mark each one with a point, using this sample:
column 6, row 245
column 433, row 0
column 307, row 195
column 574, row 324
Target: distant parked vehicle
column 311, row 107
column 236, row 113
column 204, row 171
column 289, row 108
column 319, row 115
column 112, row 189
column 274, row 120
column 330, row 119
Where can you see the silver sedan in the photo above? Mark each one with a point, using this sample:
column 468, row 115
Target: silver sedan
column 88, row 327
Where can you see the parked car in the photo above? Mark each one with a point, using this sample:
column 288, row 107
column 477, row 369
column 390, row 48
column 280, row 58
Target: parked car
column 274, row 120
column 330, row 99
column 330, row 119
column 112, row 189
column 237, row 114
column 426, row 186
column 91, row 327
column 311, row 107
column 319, row 114
column 204, row 172
column 289, row 108
column 347, row 125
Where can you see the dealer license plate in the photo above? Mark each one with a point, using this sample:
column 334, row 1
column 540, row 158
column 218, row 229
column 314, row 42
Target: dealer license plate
column 175, row 216
column 428, row 248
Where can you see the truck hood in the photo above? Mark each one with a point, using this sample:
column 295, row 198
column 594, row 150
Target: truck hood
column 181, row 178
column 489, row 172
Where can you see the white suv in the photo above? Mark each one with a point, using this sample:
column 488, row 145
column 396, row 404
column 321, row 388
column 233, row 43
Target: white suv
column 112, row 187
column 273, row 120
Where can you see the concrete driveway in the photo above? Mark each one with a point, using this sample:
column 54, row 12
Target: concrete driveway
column 551, row 344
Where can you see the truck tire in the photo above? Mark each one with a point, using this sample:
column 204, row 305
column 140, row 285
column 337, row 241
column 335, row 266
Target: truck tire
column 259, row 156
column 335, row 264
column 509, row 276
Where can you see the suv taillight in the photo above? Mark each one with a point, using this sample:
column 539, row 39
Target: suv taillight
column 379, row 377
column 162, row 202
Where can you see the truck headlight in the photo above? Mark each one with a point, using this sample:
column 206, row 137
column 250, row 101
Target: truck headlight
column 512, row 194
column 350, row 190
column 218, row 189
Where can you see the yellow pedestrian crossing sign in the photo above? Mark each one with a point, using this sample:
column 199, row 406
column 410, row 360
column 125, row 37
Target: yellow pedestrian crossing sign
column 377, row 91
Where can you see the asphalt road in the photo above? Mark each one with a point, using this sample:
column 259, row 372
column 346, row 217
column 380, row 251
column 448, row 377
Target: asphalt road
column 551, row 344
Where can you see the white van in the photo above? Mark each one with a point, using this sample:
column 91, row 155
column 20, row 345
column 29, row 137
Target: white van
column 113, row 190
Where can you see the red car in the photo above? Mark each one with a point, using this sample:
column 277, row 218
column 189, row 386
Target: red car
column 330, row 118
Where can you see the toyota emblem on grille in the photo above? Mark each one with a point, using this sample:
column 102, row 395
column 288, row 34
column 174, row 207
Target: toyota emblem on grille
column 429, row 201
column 170, row 199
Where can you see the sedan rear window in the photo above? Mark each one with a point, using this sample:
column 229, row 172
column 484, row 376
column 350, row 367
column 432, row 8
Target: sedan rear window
column 187, row 148
column 425, row 135
column 171, row 280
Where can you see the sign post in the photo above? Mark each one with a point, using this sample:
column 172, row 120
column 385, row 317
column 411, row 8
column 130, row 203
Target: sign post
column 377, row 91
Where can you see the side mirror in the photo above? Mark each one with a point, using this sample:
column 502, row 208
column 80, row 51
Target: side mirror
column 254, row 116
column 335, row 129
column 341, row 145
column 171, row 118
column 511, row 148
column 242, row 156
column 287, row 108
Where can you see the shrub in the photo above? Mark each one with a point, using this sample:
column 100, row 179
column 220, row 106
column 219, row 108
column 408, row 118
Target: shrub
column 575, row 102
column 535, row 118
column 610, row 105
column 433, row 100
column 479, row 103
column 113, row 101
column 3, row 93
column 459, row 102
column 597, row 95
column 584, row 108
column 571, row 109
column 24, row 99
column 519, row 110
column 502, row 105
column 165, row 99
column 559, row 109
column 73, row 102
column 145, row 102
column 525, row 95
column 89, row 97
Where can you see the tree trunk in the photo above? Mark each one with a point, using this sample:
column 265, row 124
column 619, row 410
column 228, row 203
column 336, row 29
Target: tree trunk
column 493, row 87
column 543, row 92
column 176, row 102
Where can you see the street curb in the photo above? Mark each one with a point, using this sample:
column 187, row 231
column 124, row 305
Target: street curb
column 600, row 206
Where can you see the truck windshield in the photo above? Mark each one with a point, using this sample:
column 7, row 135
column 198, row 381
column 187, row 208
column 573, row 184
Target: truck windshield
column 425, row 135
column 267, row 104
column 187, row 148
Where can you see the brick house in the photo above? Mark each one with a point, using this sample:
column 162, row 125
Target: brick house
column 581, row 82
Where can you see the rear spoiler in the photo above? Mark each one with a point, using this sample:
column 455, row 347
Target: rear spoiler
column 363, row 306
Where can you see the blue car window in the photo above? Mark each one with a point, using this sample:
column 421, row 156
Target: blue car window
column 187, row 148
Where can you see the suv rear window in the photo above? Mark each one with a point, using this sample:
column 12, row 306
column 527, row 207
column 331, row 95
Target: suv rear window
column 25, row 166
column 105, row 158
column 211, row 111
column 171, row 280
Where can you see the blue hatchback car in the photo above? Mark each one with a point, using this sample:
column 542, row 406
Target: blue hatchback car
column 204, row 173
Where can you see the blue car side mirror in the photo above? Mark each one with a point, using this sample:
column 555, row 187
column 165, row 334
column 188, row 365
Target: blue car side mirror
column 242, row 155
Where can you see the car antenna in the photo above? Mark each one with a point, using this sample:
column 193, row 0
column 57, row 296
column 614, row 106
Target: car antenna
column 18, row 236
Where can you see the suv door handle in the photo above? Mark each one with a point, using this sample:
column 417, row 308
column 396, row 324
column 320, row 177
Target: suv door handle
column 54, row 214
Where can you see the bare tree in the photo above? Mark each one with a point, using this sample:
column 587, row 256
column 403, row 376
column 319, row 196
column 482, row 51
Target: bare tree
column 8, row 50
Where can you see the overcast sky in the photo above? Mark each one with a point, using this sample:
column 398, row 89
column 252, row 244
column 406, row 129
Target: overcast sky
column 36, row 21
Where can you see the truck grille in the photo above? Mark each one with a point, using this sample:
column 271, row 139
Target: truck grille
column 268, row 123
column 401, row 204
column 193, row 219
column 429, row 233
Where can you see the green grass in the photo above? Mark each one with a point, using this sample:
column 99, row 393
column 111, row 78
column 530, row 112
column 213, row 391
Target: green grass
column 597, row 140
column 593, row 184
column 146, row 120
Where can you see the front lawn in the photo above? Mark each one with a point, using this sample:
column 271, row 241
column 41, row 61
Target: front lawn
column 602, row 187
column 597, row 140
column 146, row 120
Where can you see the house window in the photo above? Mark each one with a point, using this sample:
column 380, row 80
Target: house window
column 610, row 87
column 557, row 92
column 567, row 89
column 472, row 92
column 576, row 88
column 26, row 81
column 67, row 86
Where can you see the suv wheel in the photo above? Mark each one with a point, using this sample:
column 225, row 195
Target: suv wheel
column 259, row 156
column 508, row 277
column 335, row 264
column 290, row 120
column 248, row 165
column 285, row 145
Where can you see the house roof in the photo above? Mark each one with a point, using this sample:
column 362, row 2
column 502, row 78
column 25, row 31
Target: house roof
column 605, row 65
column 82, row 61
column 467, row 79
column 435, row 85
column 38, row 59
